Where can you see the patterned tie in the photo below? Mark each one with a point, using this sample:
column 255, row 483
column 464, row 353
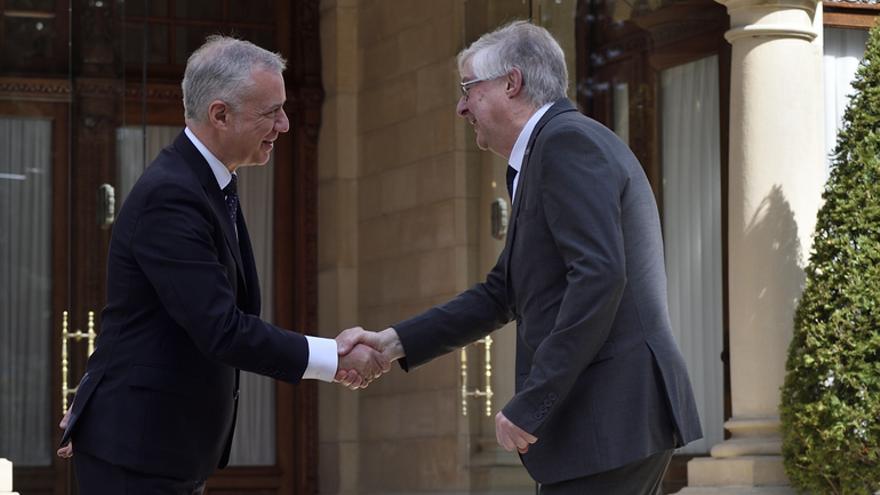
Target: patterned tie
column 231, row 192
column 511, row 174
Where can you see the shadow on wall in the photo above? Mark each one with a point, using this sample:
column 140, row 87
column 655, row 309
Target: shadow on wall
column 771, row 241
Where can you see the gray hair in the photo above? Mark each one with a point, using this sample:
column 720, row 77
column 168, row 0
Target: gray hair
column 527, row 47
column 221, row 70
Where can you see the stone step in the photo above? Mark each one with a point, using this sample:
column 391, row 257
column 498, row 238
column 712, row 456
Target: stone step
column 755, row 471
column 737, row 490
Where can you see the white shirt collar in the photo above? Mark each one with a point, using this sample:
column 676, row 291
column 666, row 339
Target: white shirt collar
column 221, row 173
column 518, row 154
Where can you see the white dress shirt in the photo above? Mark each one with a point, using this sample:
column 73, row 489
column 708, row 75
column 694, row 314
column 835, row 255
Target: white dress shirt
column 323, row 359
column 518, row 153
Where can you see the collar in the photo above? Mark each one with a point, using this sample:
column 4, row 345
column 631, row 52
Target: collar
column 518, row 153
column 221, row 173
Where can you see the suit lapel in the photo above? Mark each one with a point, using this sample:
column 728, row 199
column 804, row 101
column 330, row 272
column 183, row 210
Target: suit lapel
column 200, row 166
column 249, row 267
column 561, row 106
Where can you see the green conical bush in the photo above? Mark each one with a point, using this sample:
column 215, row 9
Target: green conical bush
column 830, row 407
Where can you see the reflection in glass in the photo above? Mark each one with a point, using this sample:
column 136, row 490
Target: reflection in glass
column 254, row 440
column 252, row 11
column 144, row 8
column 205, row 10
column 157, row 44
column 261, row 38
column 187, row 39
column 620, row 117
column 25, row 289
column 558, row 17
column 26, row 39
column 134, row 152
column 41, row 5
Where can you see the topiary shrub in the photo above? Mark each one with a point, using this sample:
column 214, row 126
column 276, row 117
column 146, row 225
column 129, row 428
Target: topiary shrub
column 830, row 407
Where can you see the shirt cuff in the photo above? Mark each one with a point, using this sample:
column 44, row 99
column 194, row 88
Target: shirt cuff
column 323, row 359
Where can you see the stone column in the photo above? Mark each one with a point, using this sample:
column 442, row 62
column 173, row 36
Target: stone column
column 776, row 173
column 6, row 478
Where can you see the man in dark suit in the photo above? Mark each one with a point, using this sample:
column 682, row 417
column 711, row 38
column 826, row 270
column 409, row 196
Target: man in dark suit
column 155, row 410
column 602, row 394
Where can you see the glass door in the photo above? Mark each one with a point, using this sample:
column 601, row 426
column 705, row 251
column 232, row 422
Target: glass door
column 89, row 93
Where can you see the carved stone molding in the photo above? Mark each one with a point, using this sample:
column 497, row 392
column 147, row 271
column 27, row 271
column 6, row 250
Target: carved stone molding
column 771, row 19
column 97, row 88
column 20, row 89
column 155, row 92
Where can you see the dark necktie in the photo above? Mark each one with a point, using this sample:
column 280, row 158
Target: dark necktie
column 511, row 174
column 231, row 192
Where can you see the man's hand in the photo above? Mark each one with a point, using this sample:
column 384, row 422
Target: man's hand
column 360, row 366
column 387, row 342
column 65, row 452
column 512, row 437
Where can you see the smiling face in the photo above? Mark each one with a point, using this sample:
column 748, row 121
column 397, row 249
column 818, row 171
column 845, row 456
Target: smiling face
column 485, row 108
column 256, row 122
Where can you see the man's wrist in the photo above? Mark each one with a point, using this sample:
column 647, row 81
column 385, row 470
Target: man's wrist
column 392, row 348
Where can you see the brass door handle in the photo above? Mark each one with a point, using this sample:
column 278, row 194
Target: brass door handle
column 485, row 393
column 66, row 335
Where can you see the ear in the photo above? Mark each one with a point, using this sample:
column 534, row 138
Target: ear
column 514, row 81
column 218, row 114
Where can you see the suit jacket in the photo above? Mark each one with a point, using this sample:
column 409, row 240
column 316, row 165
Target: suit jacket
column 599, row 378
column 160, row 392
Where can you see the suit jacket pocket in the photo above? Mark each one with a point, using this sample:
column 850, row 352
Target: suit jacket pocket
column 159, row 379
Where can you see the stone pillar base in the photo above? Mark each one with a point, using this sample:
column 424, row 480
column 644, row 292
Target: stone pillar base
column 737, row 490
column 747, row 463
column 752, row 471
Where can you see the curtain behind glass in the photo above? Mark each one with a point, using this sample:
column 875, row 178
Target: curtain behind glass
column 130, row 155
column 25, row 289
column 844, row 49
column 254, row 441
column 692, row 232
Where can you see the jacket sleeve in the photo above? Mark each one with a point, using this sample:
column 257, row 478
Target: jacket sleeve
column 468, row 317
column 580, row 185
column 174, row 244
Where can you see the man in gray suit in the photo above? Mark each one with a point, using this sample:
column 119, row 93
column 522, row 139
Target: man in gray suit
column 602, row 394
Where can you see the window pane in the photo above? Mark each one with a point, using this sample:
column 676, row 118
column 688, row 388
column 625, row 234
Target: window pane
column 134, row 152
column 254, row 440
column 691, row 148
column 42, row 5
column 844, row 49
column 252, row 11
column 621, row 111
column 157, row 44
column 26, row 39
column 205, row 10
column 25, row 290
column 262, row 38
column 188, row 39
column 145, row 8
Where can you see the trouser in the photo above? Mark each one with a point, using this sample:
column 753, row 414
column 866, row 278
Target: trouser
column 643, row 477
column 97, row 477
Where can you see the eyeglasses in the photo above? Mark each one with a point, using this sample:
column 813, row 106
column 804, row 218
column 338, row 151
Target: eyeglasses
column 466, row 86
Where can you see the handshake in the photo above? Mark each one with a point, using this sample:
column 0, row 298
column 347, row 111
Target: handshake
column 365, row 356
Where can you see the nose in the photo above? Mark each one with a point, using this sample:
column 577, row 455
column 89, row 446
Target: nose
column 282, row 124
column 461, row 109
